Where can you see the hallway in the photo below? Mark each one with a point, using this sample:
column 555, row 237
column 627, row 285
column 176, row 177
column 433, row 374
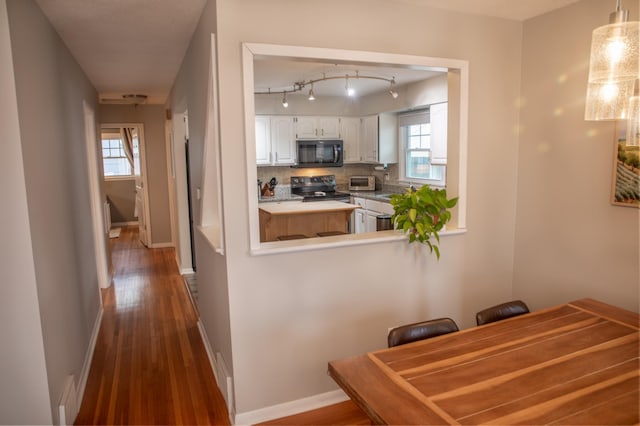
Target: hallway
column 150, row 365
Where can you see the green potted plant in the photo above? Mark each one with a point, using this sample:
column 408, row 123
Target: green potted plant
column 422, row 214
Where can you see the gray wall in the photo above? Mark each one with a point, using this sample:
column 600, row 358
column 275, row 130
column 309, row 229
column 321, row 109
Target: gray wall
column 24, row 395
column 153, row 117
column 570, row 241
column 50, row 91
column 121, row 195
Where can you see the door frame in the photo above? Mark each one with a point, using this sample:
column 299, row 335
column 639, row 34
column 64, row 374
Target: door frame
column 143, row 170
column 98, row 200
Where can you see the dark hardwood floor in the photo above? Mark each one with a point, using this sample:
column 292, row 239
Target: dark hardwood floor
column 149, row 365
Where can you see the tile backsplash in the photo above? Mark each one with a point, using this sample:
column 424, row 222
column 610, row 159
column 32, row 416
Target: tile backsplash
column 283, row 174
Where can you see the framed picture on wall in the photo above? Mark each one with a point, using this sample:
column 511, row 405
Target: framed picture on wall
column 625, row 185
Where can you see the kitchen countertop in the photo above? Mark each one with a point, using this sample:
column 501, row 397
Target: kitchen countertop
column 300, row 207
column 384, row 196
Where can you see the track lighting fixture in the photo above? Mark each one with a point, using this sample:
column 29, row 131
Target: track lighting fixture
column 392, row 92
column 350, row 91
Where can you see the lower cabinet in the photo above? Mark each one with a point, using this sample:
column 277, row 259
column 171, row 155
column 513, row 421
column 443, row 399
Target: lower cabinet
column 365, row 218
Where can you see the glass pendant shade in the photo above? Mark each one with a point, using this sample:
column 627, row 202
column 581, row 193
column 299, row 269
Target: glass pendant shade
column 613, row 71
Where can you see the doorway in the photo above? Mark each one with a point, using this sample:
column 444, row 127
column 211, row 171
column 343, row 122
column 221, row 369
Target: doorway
column 125, row 177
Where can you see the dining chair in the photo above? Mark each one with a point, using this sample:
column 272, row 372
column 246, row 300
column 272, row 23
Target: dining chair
column 501, row 311
column 420, row 330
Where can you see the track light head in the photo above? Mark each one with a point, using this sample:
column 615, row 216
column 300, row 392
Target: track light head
column 312, row 96
column 392, row 92
column 285, row 104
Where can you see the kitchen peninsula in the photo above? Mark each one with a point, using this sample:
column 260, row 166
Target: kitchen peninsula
column 298, row 219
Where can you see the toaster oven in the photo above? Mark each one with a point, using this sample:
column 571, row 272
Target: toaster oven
column 362, row 183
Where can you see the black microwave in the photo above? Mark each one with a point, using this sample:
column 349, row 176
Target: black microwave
column 319, row 153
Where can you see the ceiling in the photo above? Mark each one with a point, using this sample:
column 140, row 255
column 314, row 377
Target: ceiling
column 137, row 46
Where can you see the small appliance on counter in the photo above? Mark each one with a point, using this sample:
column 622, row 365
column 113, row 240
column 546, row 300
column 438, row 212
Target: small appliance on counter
column 317, row 188
column 362, row 183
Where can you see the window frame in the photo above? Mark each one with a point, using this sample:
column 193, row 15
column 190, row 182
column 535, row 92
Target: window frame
column 404, row 149
column 111, row 137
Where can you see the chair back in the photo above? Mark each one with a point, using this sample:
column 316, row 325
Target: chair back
column 501, row 311
column 420, row 330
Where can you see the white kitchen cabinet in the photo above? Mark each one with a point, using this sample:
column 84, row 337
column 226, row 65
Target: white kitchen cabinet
column 365, row 218
column 275, row 140
column 438, row 114
column 350, row 135
column 387, row 138
column 371, row 221
column 379, row 141
column 283, row 141
column 263, row 140
column 369, row 139
column 317, row 127
column 359, row 221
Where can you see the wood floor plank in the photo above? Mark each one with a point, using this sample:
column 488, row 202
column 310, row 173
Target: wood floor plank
column 149, row 365
column 342, row 413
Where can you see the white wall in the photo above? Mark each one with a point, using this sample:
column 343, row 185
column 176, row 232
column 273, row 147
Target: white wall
column 24, row 397
column 570, row 241
column 287, row 323
column 50, row 90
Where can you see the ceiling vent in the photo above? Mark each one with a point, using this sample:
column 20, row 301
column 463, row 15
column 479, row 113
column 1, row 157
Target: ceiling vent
column 129, row 99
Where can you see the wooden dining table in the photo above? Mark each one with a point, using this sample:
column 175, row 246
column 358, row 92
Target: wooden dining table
column 575, row 363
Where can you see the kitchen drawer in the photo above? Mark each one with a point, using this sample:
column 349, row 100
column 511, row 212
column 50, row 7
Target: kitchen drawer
column 379, row 206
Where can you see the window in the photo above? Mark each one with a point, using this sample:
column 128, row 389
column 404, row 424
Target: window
column 114, row 158
column 417, row 150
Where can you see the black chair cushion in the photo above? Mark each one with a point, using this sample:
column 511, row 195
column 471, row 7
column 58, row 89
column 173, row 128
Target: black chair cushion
column 420, row 330
column 502, row 311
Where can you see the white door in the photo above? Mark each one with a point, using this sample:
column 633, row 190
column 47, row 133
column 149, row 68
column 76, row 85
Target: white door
column 140, row 208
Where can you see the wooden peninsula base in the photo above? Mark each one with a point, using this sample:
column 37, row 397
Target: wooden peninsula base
column 290, row 218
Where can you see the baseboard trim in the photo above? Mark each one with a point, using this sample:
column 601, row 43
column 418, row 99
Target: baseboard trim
column 161, row 245
column 214, row 367
column 116, row 224
column 290, row 408
column 186, row 271
column 86, row 367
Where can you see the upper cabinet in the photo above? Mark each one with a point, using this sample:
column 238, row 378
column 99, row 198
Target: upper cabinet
column 438, row 113
column 317, row 127
column 263, row 140
column 350, row 135
column 275, row 140
column 372, row 139
column 379, row 139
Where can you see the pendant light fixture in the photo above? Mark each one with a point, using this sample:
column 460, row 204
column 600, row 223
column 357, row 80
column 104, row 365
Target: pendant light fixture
column 285, row 104
column 312, row 96
column 614, row 69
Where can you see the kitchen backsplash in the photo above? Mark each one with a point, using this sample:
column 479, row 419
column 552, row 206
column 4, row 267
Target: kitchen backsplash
column 283, row 174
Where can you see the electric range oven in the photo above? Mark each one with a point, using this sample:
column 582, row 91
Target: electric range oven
column 318, row 188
